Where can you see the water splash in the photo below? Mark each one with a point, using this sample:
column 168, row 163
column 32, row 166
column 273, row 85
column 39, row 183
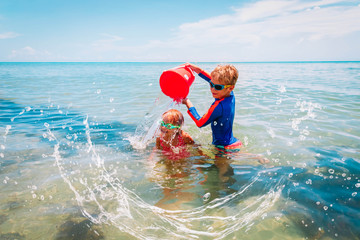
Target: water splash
column 7, row 129
column 308, row 108
column 282, row 89
column 148, row 128
column 103, row 199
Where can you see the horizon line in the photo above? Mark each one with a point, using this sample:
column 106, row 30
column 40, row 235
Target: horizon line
column 292, row 61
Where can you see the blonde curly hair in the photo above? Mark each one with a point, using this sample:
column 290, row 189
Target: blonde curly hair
column 227, row 74
column 174, row 117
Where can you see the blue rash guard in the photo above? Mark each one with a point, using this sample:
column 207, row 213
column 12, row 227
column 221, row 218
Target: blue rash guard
column 220, row 115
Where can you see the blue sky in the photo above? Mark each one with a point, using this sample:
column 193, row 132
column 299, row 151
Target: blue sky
column 184, row 31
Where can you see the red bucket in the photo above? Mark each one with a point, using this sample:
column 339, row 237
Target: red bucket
column 176, row 82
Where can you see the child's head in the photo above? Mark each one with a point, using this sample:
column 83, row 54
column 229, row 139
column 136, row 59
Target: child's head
column 172, row 119
column 223, row 80
column 225, row 74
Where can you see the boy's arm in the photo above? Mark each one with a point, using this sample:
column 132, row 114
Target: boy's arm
column 202, row 73
column 212, row 114
column 187, row 102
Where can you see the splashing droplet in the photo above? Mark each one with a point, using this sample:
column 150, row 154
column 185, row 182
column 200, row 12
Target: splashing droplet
column 206, row 197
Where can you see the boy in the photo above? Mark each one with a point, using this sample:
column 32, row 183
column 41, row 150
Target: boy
column 221, row 113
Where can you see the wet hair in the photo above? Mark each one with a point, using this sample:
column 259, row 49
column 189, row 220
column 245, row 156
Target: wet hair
column 227, row 74
column 174, row 117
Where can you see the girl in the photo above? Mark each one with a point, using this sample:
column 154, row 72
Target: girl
column 172, row 139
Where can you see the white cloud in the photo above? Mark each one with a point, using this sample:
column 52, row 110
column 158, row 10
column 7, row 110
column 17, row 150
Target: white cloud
column 273, row 19
column 8, row 35
column 29, row 53
column 24, row 51
column 260, row 31
column 108, row 43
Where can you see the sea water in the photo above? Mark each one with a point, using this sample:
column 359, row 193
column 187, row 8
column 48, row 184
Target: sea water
column 77, row 158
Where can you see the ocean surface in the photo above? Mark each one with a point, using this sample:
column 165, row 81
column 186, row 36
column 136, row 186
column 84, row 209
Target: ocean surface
column 77, row 158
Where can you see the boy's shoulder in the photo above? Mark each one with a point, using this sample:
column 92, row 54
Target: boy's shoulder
column 227, row 103
column 226, row 100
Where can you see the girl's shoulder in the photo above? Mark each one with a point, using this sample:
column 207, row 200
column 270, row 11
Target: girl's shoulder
column 187, row 138
column 158, row 143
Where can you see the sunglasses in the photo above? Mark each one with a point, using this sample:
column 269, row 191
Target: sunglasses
column 168, row 125
column 218, row 86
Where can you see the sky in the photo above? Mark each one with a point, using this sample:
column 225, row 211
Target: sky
column 179, row 31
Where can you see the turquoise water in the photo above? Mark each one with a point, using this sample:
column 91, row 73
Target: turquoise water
column 77, row 158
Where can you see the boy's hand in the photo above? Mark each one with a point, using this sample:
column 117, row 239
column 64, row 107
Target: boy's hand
column 194, row 67
column 187, row 102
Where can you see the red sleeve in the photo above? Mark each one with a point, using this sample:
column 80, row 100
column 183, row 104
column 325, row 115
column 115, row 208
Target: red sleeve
column 208, row 117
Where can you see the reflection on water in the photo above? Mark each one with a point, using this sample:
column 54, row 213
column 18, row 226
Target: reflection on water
column 69, row 175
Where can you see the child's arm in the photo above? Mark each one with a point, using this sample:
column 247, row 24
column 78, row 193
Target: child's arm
column 202, row 73
column 194, row 67
column 187, row 138
column 187, row 102
column 158, row 143
column 212, row 114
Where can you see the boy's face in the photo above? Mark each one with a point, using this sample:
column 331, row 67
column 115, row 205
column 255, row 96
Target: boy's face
column 225, row 92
